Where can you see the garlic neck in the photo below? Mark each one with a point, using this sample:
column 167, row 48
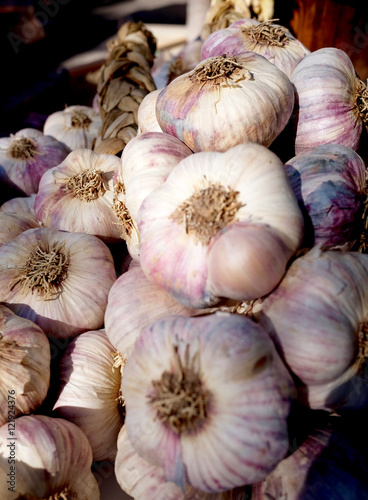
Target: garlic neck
column 22, row 148
column 65, row 494
column 179, row 398
column 361, row 101
column 218, row 69
column 207, row 211
column 80, row 120
column 87, row 185
column 266, row 34
column 362, row 354
column 121, row 210
column 45, row 271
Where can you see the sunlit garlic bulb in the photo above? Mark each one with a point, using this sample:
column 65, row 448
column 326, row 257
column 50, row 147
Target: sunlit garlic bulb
column 76, row 126
column 207, row 399
column 47, row 277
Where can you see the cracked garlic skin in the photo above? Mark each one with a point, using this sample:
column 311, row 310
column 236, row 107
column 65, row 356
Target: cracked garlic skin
column 221, row 225
column 24, row 365
column 89, row 391
column 50, row 277
column 217, row 425
column 26, row 156
column 227, row 101
column 270, row 40
column 317, row 317
column 52, row 461
column 77, row 195
column 76, row 126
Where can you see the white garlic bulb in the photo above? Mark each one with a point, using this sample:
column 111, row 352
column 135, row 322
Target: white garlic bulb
column 19, row 204
column 147, row 121
column 76, row 126
column 12, row 224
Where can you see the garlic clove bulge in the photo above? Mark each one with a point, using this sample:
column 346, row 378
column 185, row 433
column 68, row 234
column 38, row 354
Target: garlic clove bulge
column 147, row 121
column 12, row 224
column 89, row 391
column 24, row 365
column 226, row 426
column 52, row 460
column 47, row 277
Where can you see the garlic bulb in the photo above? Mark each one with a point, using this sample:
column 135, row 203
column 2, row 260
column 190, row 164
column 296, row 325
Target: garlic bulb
column 148, row 481
column 226, row 101
column 272, row 41
column 48, row 458
column 19, row 204
column 77, row 195
column 221, row 225
column 76, row 126
column 216, row 425
column 47, row 277
column 317, row 317
column 89, row 392
column 331, row 104
column 145, row 164
column 330, row 184
column 133, row 303
column 12, row 224
column 147, row 121
column 24, row 365
column 187, row 59
column 26, row 156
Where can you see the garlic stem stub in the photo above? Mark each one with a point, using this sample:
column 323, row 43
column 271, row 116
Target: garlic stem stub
column 225, row 101
column 216, row 425
column 267, row 38
column 317, row 317
column 89, row 391
column 52, row 461
column 47, row 277
column 24, row 365
column 223, row 225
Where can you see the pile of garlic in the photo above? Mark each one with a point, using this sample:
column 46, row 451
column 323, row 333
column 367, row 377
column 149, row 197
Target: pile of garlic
column 191, row 315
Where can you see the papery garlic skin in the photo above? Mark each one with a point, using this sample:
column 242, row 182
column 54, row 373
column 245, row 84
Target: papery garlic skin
column 24, row 365
column 52, row 457
column 236, row 431
column 77, row 195
column 272, row 41
column 133, row 303
column 76, row 126
column 330, row 184
column 89, row 391
column 19, row 204
column 26, row 156
column 146, row 162
column 227, row 101
column 12, row 224
column 327, row 110
column 317, row 317
column 147, row 121
column 192, row 264
column 76, row 273
column 142, row 480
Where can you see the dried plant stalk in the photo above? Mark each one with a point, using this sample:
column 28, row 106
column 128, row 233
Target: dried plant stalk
column 124, row 80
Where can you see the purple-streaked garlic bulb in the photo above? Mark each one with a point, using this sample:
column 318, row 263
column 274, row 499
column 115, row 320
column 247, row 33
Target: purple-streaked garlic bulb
column 24, row 366
column 317, row 317
column 267, row 38
column 50, row 458
column 26, row 156
column 12, row 224
column 58, row 280
column 207, row 399
column 330, row 185
column 221, row 225
column 89, row 391
column 76, row 126
column 327, row 464
column 133, row 303
column 77, row 195
column 147, row 121
column 142, row 480
column 331, row 100
column 145, row 164
column 225, row 101
column 19, row 204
